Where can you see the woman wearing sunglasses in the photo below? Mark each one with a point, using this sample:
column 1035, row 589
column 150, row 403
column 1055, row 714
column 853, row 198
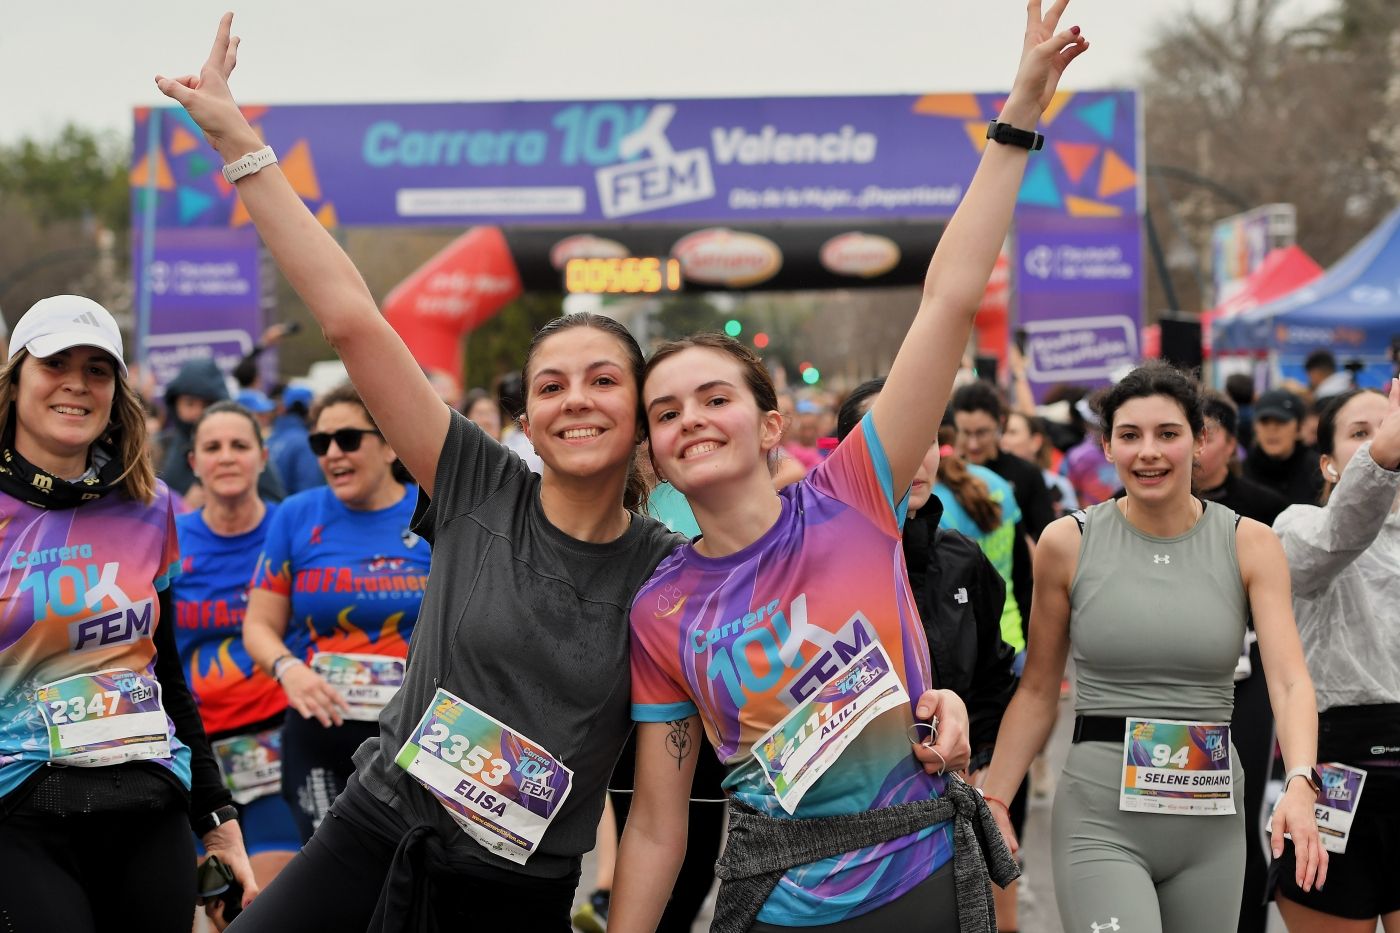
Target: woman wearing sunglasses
column 334, row 598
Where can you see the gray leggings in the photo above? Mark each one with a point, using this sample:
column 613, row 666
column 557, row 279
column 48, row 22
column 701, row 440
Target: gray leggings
column 932, row 905
column 1118, row 872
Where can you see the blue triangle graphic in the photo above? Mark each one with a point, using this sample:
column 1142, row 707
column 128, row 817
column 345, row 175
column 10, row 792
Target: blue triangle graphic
column 1039, row 187
column 192, row 204
column 1100, row 116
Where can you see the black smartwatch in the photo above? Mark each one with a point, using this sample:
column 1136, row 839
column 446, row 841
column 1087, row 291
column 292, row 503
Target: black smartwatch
column 214, row 820
column 1008, row 135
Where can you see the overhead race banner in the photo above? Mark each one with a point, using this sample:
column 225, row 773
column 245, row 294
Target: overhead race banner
column 1080, row 295
column 737, row 160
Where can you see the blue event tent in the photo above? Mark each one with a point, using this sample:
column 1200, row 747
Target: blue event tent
column 1353, row 309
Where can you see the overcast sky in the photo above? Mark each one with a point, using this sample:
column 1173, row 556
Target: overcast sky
column 90, row 61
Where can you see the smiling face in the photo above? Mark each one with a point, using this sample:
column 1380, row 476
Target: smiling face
column 1152, row 447
column 63, row 404
column 706, row 428
column 227, row 457
column 581, row 404
column 359, row 477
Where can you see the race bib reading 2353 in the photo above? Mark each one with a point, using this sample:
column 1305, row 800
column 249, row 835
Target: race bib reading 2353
column 500, row 787
column 104, row 718
column 1170, row 766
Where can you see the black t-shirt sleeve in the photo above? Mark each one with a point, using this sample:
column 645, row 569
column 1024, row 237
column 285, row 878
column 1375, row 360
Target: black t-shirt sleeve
column 1037, row 505
column 470, row 468
column 207, row 790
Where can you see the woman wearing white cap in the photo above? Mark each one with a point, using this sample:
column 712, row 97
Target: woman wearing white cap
column 104, row 766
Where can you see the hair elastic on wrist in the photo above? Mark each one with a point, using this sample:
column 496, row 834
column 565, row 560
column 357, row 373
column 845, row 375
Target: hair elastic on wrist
column 997, row 800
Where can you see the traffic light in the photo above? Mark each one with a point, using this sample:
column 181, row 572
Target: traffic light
column 733, row 328
column 760, row 340
column 811, row 376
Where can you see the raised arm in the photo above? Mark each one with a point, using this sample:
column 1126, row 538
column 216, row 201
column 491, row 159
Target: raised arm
column 1321, row 543
column 908, row 410
column 404, row 405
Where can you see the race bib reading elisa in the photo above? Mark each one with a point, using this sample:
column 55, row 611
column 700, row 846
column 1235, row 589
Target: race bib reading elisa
column 500, row 787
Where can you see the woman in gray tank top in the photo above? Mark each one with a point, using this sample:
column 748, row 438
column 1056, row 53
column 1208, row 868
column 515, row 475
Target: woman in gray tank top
column 1151, row 592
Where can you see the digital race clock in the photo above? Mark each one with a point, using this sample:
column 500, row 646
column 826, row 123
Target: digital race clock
column 628, row 275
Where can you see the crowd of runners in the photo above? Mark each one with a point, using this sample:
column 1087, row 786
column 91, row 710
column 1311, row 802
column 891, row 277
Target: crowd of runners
column 368, row 661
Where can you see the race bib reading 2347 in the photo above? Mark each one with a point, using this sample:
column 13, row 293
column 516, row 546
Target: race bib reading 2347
column 104, row 718
column 501, row 788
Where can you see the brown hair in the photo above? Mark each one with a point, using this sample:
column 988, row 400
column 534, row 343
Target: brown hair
column 126, row 432
column 970, row 492
column 1327, row 430
column 637, row 489
column 755, row 373
column 347, row 394
column 227, row 407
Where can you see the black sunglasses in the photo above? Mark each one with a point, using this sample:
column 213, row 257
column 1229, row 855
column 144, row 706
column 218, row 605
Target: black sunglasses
column 347, row 439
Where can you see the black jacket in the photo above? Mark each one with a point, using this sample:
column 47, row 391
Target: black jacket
column 1297, row 477
column 960, row 597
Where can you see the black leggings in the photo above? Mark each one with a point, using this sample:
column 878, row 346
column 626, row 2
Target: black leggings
column 97, row 871
column 316, row 764
column 334, row 882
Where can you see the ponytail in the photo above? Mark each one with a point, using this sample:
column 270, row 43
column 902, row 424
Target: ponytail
column 970, row 492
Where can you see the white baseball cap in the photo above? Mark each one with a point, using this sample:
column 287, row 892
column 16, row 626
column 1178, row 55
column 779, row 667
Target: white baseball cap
column 66, row 321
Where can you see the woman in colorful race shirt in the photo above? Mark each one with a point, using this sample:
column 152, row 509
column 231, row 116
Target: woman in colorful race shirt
column 333, row 603
column 241, row 705
column 789, row 629
column 104, row 767
column 1343, row 559
column 1151, row 592
column 473, row 806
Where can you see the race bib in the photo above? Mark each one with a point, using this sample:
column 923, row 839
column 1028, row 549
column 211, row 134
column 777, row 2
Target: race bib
column 367, row 681
column 1336, row 804
column 251, row 764
column 1170, row 766
column 104, row 719
column 796, row 752
column 500, row 787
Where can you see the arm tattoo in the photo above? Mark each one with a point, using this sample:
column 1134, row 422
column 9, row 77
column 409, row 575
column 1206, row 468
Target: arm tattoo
column 678, row 741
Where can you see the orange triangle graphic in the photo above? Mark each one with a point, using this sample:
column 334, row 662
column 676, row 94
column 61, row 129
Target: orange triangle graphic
column 1057, row 104
column 240, row 216
column 1083, row 207
column 300, row 171
column 977, row 132
column 140, row 175
column 182, row 141
column 222, row 183
column 964, row 106
column 1116, row 175
column 253, row 113
column 327, row 216
column 142, row 113
column 1076, row 158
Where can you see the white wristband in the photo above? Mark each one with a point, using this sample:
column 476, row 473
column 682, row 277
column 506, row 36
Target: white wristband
column 251, row 163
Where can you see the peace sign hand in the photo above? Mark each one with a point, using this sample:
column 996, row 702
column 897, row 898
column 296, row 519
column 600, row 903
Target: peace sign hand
column 1045, row 55
column 208, row 100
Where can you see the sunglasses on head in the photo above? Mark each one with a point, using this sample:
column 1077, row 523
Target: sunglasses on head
column 347, row 439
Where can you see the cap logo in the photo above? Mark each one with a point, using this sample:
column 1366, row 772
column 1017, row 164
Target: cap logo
column 88, row 318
